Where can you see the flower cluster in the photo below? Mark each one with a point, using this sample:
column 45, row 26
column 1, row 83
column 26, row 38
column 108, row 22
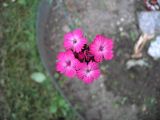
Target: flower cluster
column 80, row 58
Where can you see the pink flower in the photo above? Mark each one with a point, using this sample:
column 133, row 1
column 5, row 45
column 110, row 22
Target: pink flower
column 66, row 63
column 74, row 40
column 101, row 48
column 88, row 73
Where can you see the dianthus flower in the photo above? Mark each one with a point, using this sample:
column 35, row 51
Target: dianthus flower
column 88, row 72
column 66, row 63
column 101, row 48
column 74, row 40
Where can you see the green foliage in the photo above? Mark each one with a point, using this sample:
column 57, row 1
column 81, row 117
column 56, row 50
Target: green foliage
column 133, row 36
column 49, row 1
column 150, row 102
column 25, row 98
column 22, row 2
column 58, row 104
column 120, row 102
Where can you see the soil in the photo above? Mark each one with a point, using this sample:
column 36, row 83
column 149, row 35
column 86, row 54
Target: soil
column 119, row 93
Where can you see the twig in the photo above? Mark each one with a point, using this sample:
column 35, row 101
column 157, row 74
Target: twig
column 139, row 46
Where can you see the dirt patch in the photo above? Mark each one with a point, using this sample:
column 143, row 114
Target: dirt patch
column 120, row 93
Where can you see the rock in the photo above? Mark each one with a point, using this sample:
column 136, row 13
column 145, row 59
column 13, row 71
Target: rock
column 149, row 22
column 154, row 49
column 131, row 63
column 121, row 29
column 101, row 85
column 144, row 108
column 118, row 23
column 122, row 19
column 66, row 28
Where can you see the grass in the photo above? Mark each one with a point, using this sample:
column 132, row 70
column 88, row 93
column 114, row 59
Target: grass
column 25, row 98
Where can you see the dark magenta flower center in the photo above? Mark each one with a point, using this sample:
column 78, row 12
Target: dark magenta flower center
column 74, row 41
column 101, row 48
column 88, row 71
column 68, row 63
column 85, row 55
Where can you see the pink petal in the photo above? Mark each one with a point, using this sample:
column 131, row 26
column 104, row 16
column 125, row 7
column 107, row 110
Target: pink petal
column 68, row 40
column 88, row 80
column 70, row 73
column 81, row 66
column 60, row 55
column 68, row 36
column 80, row 74
column 84, row 40
column 93, row 65
column 98, row 58
column 109, row 44
column 96, row 74
column 109, row 55
column 78, row 32
column 69, row 54
column 60, row 68
column 78, row 47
